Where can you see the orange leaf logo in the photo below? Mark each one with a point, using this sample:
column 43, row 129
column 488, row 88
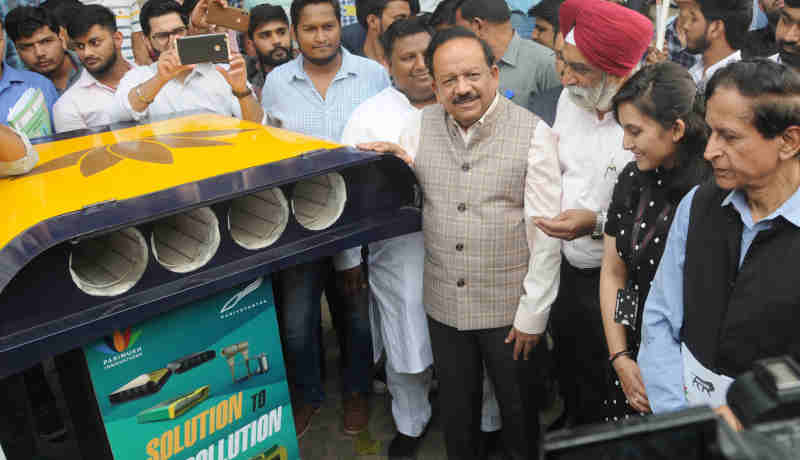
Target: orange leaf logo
column 152, row 149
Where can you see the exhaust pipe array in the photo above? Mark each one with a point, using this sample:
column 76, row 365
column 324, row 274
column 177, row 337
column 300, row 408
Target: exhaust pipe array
column 112, row 264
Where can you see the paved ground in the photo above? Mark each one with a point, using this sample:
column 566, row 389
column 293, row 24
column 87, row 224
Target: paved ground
column 325, row 439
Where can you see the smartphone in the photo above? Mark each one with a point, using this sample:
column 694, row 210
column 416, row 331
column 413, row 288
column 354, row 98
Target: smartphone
column 203, row 48
column 233, row 18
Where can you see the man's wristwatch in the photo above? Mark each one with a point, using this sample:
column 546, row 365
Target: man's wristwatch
column 599, row 223
column 243, row 94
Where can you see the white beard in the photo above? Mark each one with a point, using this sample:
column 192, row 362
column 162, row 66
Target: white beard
column 598, row 98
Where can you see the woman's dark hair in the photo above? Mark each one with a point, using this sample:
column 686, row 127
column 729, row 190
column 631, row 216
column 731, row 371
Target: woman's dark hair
column 299, row 5
column 89, row 16
column 666, row 93
column 445, row 35
column 773, row 88
column 158, row 8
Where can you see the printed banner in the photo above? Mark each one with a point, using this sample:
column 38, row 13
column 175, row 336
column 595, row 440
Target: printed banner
column 203, row 382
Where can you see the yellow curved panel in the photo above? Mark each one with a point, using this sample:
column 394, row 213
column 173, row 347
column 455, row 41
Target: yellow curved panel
column 79, row 172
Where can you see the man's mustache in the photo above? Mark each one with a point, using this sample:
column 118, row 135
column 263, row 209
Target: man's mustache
column 469, row 97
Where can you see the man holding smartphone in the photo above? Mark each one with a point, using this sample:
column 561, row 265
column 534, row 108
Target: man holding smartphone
column 168, row 86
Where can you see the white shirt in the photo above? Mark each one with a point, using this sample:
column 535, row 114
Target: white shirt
column 397, row 315
column 86, row 104
column 543, row 189
column 24, row 164
column 591, row 156
column 428, row 6
column 203, row 89
column 701, row 77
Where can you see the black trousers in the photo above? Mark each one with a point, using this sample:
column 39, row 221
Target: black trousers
column 581, row 355
column 458, row 357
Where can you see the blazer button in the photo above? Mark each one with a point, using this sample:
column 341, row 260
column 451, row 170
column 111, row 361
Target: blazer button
column 461, row 282
column 465, row 167
column 462, row 207
column 459, row 247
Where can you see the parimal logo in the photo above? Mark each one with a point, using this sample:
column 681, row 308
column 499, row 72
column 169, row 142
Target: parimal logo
column 123, row 357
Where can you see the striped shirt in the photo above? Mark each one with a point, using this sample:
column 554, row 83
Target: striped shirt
column 127, row 13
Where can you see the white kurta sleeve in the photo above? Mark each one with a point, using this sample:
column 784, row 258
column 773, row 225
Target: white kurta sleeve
column 410, row 135
column 542, row 199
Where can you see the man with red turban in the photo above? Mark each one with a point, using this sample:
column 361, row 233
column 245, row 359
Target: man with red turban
column 602, row 46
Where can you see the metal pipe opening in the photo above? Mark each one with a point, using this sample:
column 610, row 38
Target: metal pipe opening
column 185, row 242
column 258, row 220
column 318, row 202
column 109, row 265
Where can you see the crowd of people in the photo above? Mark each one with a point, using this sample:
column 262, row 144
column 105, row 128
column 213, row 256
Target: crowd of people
column 603, row 221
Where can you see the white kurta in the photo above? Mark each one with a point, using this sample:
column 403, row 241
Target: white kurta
column 591, row 157
column 397, row 316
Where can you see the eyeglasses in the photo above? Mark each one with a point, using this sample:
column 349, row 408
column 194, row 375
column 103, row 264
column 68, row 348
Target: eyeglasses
column 580, row 69
column 163, row 37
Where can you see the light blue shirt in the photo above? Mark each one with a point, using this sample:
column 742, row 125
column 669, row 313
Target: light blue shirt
column 660, row 353
column 14, row 83
column 759, row 18
column 289, row 96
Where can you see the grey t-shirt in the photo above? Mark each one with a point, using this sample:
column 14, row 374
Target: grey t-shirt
column 526, row 69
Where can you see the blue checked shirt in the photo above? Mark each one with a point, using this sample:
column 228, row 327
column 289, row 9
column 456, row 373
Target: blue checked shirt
column 677, row 53
column 291, row 100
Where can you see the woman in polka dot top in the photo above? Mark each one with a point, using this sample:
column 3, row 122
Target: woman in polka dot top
column 656, row 109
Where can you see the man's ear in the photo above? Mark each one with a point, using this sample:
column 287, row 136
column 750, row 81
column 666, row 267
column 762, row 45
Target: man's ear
column 249, row 47
column 789, row 143
column 63, row 36
column 435, row 93
column 373, row 22
column 716, row 30
column 118, row 40
column 479, row 26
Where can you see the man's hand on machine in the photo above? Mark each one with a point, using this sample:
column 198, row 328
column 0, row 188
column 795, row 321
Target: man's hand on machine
column 387, row 147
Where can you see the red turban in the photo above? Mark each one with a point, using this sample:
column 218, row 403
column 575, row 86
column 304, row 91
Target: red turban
column 611, row 37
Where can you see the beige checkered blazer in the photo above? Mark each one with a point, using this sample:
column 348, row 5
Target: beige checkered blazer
column 476, row 251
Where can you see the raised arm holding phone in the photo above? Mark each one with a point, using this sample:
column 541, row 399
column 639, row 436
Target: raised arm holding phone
column 170, row 85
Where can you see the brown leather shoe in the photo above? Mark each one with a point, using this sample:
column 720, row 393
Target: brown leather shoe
column 356, row 413
column 302, row 418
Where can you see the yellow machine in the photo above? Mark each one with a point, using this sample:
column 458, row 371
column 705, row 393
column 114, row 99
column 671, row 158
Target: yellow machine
column 120, row 224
